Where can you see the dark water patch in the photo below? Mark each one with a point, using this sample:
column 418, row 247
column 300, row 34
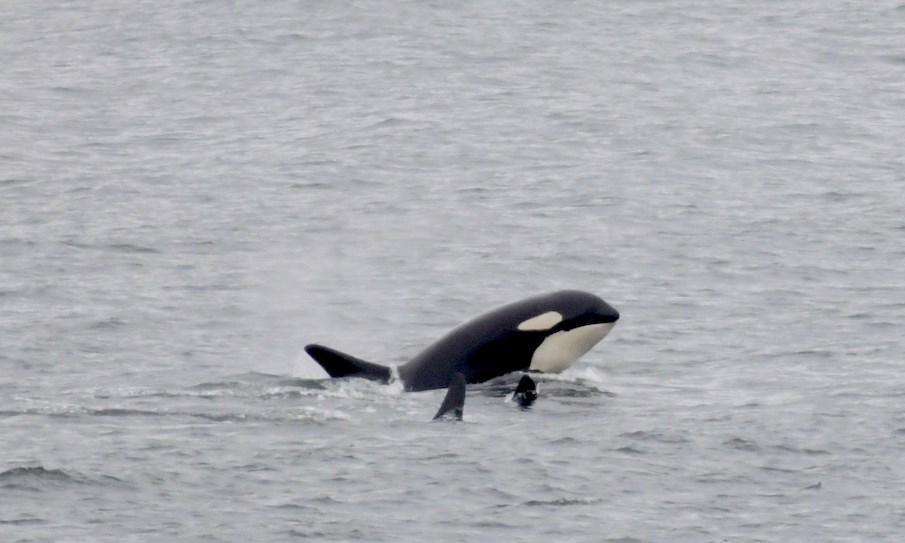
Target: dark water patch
column 802, row 450
column 326, row 499
column 442, row 456
column 315, row 185
column 39, row 477
column 561, row 502
column 295, row 507
column 131, row 392
column 314, row 535
column 818, row 353
column 256, row 468
column 37, row 473
column 629, row 450
column 17, row 243
column 741, row 444
column 22, row 521
column 655, row 436
column 777, row 469
column 836, row 196
column 213, row 287
column 225, row 417
column 123, row 412
column 391, row 122
column 475, row 189
column 714, row 477
column 107, row 324
column 116, row 247
column 132, row 248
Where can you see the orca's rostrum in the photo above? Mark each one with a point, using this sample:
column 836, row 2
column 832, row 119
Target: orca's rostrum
column 546, row 333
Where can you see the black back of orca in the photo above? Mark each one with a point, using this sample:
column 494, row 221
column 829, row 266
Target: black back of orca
column 488, row 346
column 481, row 350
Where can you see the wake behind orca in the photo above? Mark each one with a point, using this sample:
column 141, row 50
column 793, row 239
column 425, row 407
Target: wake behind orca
column 545, row 333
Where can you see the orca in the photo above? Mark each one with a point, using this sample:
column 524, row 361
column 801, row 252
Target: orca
column 545, row 333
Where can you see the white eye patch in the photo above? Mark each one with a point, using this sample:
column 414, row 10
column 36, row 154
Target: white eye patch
column 544, row 321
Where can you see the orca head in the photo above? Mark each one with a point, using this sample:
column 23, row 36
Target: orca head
column 572, row 322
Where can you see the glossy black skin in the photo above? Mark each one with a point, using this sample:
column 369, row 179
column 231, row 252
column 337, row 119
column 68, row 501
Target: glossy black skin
column 526, row 392
column 488, row 346
column 454, row 402
column 492, row 345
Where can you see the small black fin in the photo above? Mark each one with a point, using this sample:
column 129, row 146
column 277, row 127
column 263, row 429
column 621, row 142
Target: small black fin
column 525, row 392
column 339, row 364
column 454, row 402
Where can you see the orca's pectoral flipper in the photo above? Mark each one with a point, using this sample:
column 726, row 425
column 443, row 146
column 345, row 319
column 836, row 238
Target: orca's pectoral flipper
column 525, row 392
column 454, row 402
column 339, row 364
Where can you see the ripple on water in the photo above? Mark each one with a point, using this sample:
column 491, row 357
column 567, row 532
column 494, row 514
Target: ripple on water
column 741, row 444
column 36, row 478
column 22, row 521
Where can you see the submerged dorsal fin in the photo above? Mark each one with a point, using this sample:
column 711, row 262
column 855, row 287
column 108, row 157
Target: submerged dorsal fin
column 525, row 391
column 454, row 402
column 339, row 364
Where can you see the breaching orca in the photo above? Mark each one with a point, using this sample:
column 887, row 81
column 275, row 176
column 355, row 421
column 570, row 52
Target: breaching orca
column 546, row 333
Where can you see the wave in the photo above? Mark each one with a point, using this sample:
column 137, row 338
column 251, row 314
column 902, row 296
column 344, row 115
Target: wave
column 123, row 247
column 293, row 414
column 561, row 502
column 39, row 477
column 654, row 436
column 22, row 521
column 556, row 502
column 248, row 385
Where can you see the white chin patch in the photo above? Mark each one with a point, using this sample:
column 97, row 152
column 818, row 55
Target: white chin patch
column 544, row 321
column 560, row 350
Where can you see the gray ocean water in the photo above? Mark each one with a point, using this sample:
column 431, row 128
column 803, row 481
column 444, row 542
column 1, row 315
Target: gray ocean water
column 191, row 191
